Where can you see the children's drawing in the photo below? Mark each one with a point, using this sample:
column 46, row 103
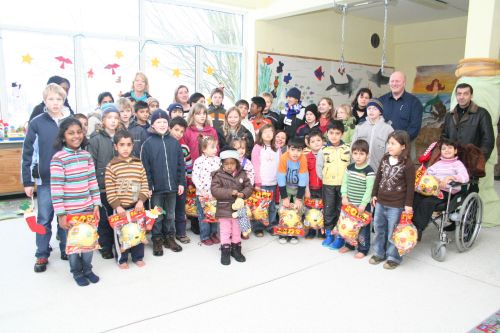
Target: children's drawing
column 378, row 78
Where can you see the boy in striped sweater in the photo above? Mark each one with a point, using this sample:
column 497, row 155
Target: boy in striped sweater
column 356, row 189
column 126, row 188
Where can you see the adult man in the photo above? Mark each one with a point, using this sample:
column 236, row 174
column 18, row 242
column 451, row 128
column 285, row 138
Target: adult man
column 469, row 123
column 401, row 108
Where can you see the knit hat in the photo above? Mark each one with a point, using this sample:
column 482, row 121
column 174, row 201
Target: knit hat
column 376, row 103
column 230, row 153
column 173, row 107
column 314, row 109
column 108, row 108
column 159, row 114
column 294, row 92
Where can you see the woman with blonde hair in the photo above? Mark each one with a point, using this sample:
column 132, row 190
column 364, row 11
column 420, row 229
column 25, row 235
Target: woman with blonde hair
column 140, row 88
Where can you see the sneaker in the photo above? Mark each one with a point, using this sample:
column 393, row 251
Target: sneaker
column 374, row 260
column 41, row 265
column 283, row 240
column 207, row 242
column 259, row 234
column 92, row 277
column 311, row 234
column 389, row 264
column 271, row 231
column 64, row 256
column 294, row 240
column 82, row 281
column 328, row 240
column 337, row 243
column 245, row 236
column 215, row 238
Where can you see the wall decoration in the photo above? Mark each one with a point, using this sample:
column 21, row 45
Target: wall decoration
column 63, row 61
column 316, row 78
column 27, row 58
column 118, row 54
column 155, row 62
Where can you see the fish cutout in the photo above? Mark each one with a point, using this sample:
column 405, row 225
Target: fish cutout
column 112, row 67
column 63, row 61
column 287, row 78
column 268, row 60
column 319, row 73
column 276, row 82
column 378, row 78
column 344, row 88
column 279, row 69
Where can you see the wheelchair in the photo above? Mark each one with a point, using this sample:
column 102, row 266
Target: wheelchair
column 465, row 210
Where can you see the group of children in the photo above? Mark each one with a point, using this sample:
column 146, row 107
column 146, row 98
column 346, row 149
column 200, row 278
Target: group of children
column 136, row 156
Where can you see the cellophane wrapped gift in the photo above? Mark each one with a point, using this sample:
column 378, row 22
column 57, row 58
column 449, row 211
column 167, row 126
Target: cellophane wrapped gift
column 82, row 233
column 350, row 222
column 405, row 234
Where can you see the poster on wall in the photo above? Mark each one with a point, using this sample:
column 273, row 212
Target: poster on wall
column 433, row 86
column 317, row 78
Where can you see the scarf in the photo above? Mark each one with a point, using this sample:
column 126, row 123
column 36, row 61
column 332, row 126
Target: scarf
column 292, row 111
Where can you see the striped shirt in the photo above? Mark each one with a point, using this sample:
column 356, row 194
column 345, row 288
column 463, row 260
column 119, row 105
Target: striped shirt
column 358, row 184
column 73, row 184
column 126, row 182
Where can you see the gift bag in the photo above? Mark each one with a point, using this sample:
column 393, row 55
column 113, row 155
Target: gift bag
column 29, row 213
column 82, row 234
column 258, row 203
column 290, row 223
column 405, row 234
column 191, row 201
column 350, row 222
column 426, row 184
column 131, row 229
column 209, row 206
column 314, row 213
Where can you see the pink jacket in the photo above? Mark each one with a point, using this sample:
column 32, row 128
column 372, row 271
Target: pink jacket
column 449, row 167
column 192, row 135
column 265, row 163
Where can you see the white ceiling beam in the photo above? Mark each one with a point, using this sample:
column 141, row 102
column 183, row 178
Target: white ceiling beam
column 284, row 8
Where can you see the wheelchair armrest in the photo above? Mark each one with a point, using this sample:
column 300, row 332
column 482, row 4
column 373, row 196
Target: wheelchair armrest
column 455, row 184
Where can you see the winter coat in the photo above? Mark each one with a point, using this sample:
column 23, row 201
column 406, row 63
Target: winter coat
column 192, row 135
column 217, row 114
column 304, row 129
column 163, row 160
column 139, row 135
column 144, row 97
column 102, row 149
column 40, row 108
column 222, row 187
column 474, row 127
column 331, row 163
column 290, row 125
column 242, row 133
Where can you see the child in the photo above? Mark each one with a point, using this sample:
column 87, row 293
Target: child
column 325, row 109
column 177, row 127
column 293, row 115
column 292, row 180
column 126, row 188
column 199, row 125
column 375, row 131
column 43, row 129
column 175, row 110
column 142, row 114
column 311, row 115
column 84, row 121
column 268, row 113
column 265, row 158
column 163, row 160
column 240, row 145
column 73, row 188
column 447, row 169
column 356, row 189
column 392, row 193
column 243, row 106
column 228, row 183
column 195, row 98
column 216, row 109
column 344, row 114
column 314, row 190
column 233, row 129
column 257, row 117
column 139, row 134
column 153, row 104
column 96, row 116
column 101, row 147
column 125, row 108
column 331, row 163
column 203, row 167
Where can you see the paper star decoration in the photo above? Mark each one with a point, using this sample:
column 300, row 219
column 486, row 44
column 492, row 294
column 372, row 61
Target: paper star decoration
column 90, row 74
column 176, row 72
column 155, row 62
column 210, row 70
column 27, row 58
column 118, row 54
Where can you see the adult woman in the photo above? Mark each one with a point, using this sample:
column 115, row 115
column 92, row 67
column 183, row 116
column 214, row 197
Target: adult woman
column 140, row 88
column 181, row 96
column 359, row 105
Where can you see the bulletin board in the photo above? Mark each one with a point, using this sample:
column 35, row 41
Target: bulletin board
column 317, row 78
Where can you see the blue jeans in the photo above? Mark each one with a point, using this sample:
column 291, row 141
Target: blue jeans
column 137, row 253
column 80, row 264
column 385, row 220
column 45, row 216
column 180, row 215
column 258, row 226
column 164, row 224
column 206, row 229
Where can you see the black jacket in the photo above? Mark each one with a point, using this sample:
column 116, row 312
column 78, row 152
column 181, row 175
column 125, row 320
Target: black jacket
column 163, row 160
column 243, row 132
column 290, row 125
column 102, row 149
column 139, row 136
column 474, row 127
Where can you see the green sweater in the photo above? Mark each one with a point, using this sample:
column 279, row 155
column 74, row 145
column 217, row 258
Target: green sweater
column 358, row 184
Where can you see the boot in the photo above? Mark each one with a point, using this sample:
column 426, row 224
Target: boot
column 236, row 252
column 225, row 257
column 157, row 246
column 195, row 226
column 170, row 243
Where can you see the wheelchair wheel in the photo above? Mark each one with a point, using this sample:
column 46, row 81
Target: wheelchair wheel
column 438, row 251
column 471, row 215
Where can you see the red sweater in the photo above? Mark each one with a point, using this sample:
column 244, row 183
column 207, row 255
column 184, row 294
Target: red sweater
column 192, row 135
column 315, row 182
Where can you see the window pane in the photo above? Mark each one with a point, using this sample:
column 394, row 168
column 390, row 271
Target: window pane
column 38, row 52
column 192, row 25
column 167, row 67
column 222, row 67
